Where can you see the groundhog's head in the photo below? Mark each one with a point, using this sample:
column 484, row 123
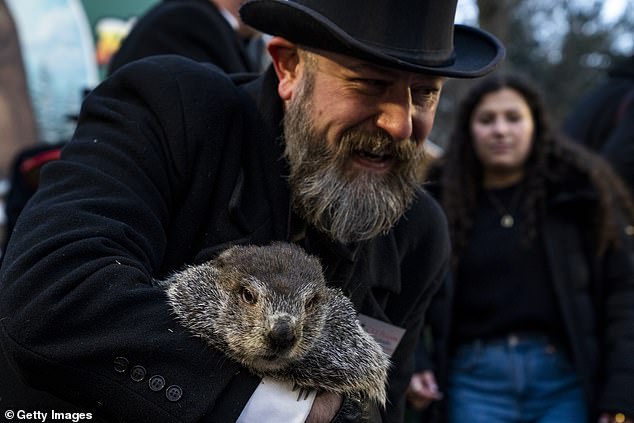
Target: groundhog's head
column 274, row 303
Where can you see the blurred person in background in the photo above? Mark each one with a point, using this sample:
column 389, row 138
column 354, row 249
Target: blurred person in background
column 202, row 30
column 536, row 321
column 603, row 120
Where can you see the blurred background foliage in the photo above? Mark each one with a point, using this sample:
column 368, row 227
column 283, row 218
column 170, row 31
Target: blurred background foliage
column 565, row 46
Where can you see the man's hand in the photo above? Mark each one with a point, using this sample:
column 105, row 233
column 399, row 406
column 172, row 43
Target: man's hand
column 422, row 390
column 325, row 408
column 615, row 418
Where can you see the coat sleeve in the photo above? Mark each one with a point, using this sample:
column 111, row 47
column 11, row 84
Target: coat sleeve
column 79, row 316
column 618, row 330
column 432, row 346
column 192, row 29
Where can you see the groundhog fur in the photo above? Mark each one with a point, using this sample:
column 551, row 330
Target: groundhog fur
column 269, row 309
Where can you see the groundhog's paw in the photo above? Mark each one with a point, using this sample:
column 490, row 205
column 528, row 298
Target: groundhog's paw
column 302, row 393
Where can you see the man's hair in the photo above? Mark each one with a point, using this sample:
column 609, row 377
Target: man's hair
column 309, row 57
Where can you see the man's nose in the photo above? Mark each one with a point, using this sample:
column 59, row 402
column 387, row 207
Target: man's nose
column 395, row 117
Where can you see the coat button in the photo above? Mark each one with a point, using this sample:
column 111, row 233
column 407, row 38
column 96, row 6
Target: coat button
column 121, row 364
column 156, row 383
column 173, row 393
column 137, row 373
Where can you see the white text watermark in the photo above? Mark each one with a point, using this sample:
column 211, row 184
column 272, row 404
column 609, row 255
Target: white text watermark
column 46, row 416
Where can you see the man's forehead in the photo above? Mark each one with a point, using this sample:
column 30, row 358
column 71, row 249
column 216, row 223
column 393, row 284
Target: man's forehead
column 361, row 67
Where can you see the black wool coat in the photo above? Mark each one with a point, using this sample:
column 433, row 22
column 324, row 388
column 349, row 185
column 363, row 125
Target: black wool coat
column 595, row 294
column 172, row 163
column 191, row 28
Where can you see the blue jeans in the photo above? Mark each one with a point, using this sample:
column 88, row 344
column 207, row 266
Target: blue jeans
column 514, row 380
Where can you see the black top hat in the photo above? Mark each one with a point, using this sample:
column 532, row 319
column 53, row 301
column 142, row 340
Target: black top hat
column 414, row 35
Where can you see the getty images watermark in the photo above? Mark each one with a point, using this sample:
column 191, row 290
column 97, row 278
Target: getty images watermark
column 46, row 416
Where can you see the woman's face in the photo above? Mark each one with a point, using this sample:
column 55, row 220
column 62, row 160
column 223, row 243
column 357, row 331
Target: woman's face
column 502, row 129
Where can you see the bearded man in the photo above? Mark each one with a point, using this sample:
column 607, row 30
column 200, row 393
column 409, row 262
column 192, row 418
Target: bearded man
column 173, row 162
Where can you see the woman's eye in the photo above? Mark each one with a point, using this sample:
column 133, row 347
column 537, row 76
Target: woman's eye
column 513, row 117
column 484, row 119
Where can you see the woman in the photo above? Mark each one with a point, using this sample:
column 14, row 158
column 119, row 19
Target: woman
column 537, row 317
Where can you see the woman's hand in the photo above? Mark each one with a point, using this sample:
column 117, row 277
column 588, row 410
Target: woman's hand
column 423, row 390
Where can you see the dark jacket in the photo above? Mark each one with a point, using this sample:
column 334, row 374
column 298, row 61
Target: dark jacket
column 604, row 120
column 171, row 164
column 192, row 28
column 595, row 296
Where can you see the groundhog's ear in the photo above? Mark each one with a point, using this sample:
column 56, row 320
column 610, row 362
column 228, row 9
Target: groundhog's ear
column 316, row 264
column 220, row 267
column 225, row 257
column 226, row 253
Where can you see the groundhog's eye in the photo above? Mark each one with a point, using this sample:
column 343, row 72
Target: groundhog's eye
column 312, row 302
column 248, row 296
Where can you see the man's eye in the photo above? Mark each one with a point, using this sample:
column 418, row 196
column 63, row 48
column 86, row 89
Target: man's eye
column 371, row 86
column 424, row 96
column 375, row 82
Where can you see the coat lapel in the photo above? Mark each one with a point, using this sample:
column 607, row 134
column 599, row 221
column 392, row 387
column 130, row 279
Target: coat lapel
column 260, row 198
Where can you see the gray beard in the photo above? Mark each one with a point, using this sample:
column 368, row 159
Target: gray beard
column 348, row 206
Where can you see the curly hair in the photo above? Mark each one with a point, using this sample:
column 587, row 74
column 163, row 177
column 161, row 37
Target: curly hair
column 552, row 158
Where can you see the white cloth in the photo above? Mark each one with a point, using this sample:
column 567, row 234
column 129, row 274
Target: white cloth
column 274, row 401
column 233, row 21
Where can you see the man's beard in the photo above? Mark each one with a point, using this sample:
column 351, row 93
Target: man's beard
column 347, row 204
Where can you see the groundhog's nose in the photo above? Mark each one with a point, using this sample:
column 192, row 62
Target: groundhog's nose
column 282, row 335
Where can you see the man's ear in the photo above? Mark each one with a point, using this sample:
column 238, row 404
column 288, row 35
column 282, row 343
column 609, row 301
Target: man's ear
column 285, row 59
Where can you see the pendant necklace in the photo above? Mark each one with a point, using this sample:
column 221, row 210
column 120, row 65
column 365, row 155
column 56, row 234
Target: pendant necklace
column 506, row 220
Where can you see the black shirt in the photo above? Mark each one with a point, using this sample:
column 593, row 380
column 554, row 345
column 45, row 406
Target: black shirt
column 502, row 285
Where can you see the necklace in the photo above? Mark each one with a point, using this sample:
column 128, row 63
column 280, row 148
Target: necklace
column 506, row 218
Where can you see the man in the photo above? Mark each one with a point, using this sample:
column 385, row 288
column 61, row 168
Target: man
column 202, row 30
column 172, row 163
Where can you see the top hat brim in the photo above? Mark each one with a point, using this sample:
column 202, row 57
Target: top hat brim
column 476, row 52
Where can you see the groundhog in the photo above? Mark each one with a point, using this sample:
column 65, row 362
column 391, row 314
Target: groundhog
column 269, row 309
